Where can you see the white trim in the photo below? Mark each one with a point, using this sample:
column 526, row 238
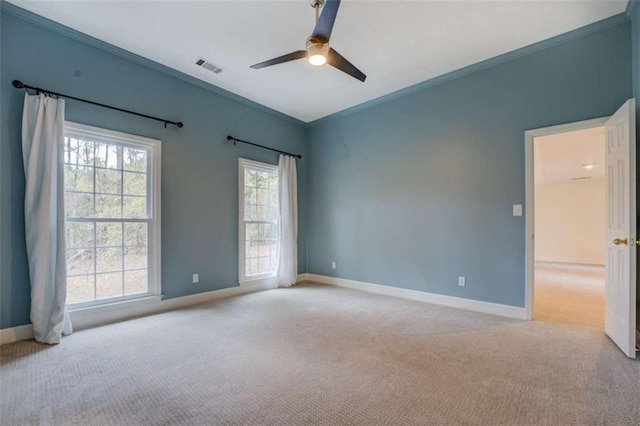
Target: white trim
column 14, row 334
column 269, row 168
column 120, row 311
column 100, row 134
column 422, row 296
column 529, row 137
column 576, row 260
column 267, row 281
column 302, row 278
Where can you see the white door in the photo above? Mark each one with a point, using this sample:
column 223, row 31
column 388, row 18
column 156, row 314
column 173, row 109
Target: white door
column 620, row 155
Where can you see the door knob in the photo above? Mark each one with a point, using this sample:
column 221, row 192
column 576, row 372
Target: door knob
column 620, row 241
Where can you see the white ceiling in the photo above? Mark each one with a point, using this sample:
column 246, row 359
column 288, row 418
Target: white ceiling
column 560, row 157
column 396, row 43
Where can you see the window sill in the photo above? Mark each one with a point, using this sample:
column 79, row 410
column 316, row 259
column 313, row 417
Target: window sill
column 90, row 316
column 266, row 281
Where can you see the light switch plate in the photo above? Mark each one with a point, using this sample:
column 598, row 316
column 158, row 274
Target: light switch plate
column 517, row 209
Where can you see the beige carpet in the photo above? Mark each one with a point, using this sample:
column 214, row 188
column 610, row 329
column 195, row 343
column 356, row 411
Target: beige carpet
column 569, row 293
column 322, row 355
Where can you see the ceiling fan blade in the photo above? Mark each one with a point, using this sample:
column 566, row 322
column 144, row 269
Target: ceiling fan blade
column 338, row 61
column 299, row 54
column 324, row 26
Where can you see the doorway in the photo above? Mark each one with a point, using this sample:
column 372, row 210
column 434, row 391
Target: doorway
column 569, row 217
column 554, row 272
column 621, row 240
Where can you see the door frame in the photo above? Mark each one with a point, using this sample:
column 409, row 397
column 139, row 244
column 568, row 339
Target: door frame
column 529, row 137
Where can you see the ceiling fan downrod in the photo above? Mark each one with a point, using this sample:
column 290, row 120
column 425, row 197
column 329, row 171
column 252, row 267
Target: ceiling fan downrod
column 317, row 5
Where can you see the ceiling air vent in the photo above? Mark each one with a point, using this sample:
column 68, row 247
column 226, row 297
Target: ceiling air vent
column 208, row 66
column 581, row 178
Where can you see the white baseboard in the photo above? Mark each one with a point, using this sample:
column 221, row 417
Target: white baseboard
column 302, row 278
column 437, row 299
column 576, row 260
column 14, row 334
column 105, row 314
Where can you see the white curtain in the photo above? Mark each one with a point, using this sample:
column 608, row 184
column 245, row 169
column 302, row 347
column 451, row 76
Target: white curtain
column 288, row 203
column 43, row 155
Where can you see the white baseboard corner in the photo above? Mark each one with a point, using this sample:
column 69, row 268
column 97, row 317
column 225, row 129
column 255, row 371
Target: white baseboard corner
column 302, row 278
column 508, row 311
column 106, row 314
column 14, row 334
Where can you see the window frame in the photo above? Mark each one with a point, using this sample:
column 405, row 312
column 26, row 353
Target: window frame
column 269, row 168
column 154, row 238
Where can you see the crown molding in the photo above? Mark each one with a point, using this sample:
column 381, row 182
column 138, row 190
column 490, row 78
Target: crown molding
column 595, row 27
column 40, row 21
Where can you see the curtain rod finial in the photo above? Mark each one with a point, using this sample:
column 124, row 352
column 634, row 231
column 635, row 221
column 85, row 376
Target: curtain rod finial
column 179, row 124
column 17, row 84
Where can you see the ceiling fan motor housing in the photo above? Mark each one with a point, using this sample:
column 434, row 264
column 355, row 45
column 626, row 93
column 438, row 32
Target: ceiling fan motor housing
column 317, row 46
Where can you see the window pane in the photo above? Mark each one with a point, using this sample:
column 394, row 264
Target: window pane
column 109, row 206
column 135, row 159
column 251, row 267
column 264, row 265
column 263, row 249
column 108, row 234
column 78, row 152
column 135, row 281
column 78, row 178
column 108, row 181
column 108, row 259
column 135, row 234
column 80, row 261
column 249, row 178
column 109, row 285
column 108, row 156
column 273, row 182
column 250, row 212
column 262, row 179
column 135, row 257
column 134, row 207
column 263, row 197
column 250, row 195
column 251, row 231
column 80, row 235
column 80, row 289
column 271, row 232
column 78, row 205
column 134, row 183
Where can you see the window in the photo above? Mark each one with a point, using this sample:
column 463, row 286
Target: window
column 258, row 233
column 112, row 208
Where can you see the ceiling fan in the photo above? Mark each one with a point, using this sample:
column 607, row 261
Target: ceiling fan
column 317, row 50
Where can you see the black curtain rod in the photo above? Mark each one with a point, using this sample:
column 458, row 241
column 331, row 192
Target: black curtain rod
column 231, row 138
column 20, row 85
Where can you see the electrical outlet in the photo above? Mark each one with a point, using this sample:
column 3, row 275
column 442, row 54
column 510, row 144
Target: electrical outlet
column 195, row 278
column 462, row 281
column 333, row 265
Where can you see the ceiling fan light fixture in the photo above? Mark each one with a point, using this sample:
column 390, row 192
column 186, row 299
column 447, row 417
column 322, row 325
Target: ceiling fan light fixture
column 317, row 60
column 317, row 52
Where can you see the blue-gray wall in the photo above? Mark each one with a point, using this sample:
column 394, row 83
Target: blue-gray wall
column 199, row 167
column 411, row 192
column 418, row 190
